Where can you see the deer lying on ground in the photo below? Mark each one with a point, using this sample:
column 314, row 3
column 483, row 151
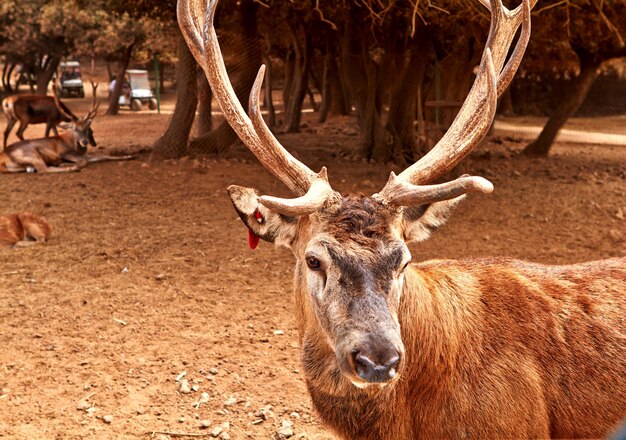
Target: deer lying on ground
column 62, row 153
column 23, row 229
column 37, row 109
column 476, row 348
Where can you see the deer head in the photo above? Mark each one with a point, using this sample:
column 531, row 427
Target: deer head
column 351, row 251
column 81, row 127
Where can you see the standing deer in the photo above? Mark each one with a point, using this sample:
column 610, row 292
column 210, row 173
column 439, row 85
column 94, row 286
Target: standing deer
column 38, row 109
column 62, row 153
column 475, row 348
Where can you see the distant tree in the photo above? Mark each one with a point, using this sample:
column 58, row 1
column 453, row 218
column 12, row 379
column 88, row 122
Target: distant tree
column 38, row 33
column 590, row 31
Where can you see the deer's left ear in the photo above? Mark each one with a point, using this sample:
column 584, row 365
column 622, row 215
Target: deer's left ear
column 419, row 222
column 261, row 221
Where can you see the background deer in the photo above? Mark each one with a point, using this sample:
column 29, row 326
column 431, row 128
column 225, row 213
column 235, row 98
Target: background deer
column 23, row 229
column 62, row 153
column 476, row 348
column 38, row 109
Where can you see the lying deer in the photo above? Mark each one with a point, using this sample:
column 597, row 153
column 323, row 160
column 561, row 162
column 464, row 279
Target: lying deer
column 475, row 348
column 37, row 109
column 23, row 229
column 57, row 154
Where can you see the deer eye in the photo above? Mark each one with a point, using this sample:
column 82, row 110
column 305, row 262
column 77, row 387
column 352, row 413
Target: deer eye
column 313, row 263
column 405, row 266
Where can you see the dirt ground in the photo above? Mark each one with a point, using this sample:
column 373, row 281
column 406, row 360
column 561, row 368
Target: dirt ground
column 148, row 278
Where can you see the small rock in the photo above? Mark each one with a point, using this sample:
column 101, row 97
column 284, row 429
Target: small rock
column 83, row 405
column 265, row 413
column 230, row 402
column 160, row 277
column 205, row 424
column 204, row 398
column 279, row 332
column 615, row 235
column 225, row 436
column 107, row 419
column 140, row 411
column 620, row 214
column 185, row 388
column 213, row 371
column 195, row 387
column 294, row 415
column 216, row 431
column 182, row 420
column 285, row 430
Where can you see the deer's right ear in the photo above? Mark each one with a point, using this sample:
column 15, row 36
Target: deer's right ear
column 418, row 222
column 260, row 220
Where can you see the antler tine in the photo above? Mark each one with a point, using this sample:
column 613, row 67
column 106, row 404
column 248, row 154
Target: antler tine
column 477, row 112
column 206, row 50
column 406, row 194
column 55, row 95
column 95, row 105
column 315, row 199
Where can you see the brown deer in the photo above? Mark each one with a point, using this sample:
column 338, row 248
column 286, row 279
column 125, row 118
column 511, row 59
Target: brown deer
column 23, row 229
column 475, row 348
column 62, row 153
column 38, row 109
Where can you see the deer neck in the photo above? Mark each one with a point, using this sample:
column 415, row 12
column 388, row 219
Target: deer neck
column 439, row 328
column 70, row 140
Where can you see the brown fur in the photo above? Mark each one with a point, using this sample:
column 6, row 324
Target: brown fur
column 23, row 228
column 492, row 348
column 495, row 349
column 65, row 152
column 32, row 109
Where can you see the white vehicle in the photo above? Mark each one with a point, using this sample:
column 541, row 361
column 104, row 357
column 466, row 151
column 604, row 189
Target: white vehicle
column 136, row 91
column 70, row 80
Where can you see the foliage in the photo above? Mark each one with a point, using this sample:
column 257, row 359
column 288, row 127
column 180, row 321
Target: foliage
column 33, row 31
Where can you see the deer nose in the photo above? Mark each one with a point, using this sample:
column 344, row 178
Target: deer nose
column 376, row 369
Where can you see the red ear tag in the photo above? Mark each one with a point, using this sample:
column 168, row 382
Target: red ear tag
column 253, row 239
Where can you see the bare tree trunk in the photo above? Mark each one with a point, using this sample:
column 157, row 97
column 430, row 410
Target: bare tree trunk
column 340, row 97
column 221, row 138
column 173, row 143
column 303, row 53
column 114, row 98
column 505, row 106
column 456, row 77
column 269, row 100
column 327, row 91
column 290, row 65
column 47, row 72
column 364, row 83
column 403, row 102
column 570, row 103
column 7, row 72
column 204, row 122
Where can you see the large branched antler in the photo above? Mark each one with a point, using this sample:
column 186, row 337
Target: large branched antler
column 474, row 118
column 195, row 18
